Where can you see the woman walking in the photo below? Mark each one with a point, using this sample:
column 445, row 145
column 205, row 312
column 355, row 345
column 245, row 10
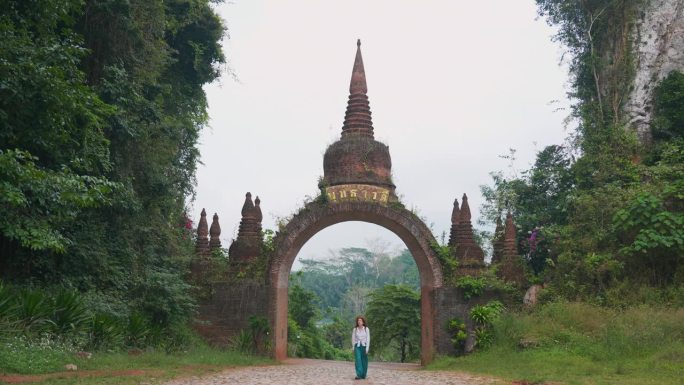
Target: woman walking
column 361, row 344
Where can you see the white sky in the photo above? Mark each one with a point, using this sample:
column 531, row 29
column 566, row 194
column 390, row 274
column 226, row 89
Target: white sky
column 452, row 85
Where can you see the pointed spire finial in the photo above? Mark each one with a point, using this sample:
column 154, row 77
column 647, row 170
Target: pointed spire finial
column 510, row 227
column 455, row 213
column 248, row 206
column 465, row 209
column 215, row 233
column 357, row 119
column 358, row 80
column 202, row 245
column 203, row 227
column 257, row 208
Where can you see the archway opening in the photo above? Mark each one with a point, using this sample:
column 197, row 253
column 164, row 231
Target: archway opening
column 405, row 225
column 349, row 269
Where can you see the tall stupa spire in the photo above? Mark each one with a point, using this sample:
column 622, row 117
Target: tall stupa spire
column 357, row 166
column 357, row 120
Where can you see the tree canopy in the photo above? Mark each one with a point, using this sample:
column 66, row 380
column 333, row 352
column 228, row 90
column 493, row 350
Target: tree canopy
column 101, row 106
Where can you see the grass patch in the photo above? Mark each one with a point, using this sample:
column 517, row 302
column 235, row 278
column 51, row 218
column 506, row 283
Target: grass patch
column 122, row 368
column 575, row 343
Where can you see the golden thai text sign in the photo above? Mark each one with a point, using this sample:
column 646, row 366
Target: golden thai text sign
column 357, row 192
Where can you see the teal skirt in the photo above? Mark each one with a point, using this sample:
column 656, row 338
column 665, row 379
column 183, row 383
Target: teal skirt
column 360, row 361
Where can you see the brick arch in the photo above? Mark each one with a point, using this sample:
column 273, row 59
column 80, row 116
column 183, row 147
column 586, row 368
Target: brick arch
column 314, row 218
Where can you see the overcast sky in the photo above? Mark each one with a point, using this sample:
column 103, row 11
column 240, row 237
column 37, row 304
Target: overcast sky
column 452, row 86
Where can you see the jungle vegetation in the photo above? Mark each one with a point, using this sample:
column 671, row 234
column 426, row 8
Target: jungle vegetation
column 101, row 106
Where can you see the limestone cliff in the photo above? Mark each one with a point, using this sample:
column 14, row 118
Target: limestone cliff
column 658, row 49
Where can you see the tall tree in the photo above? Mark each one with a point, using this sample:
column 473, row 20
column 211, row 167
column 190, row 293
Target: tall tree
column 101, row 105
column 394, row 318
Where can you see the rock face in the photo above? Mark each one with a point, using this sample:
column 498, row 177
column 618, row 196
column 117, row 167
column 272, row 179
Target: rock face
column 532, row 295
column 658, row 50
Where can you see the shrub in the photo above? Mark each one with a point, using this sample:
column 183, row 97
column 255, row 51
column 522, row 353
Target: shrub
column 106, row 333
column 471, row 286
column 70, row 316
column 458, row 333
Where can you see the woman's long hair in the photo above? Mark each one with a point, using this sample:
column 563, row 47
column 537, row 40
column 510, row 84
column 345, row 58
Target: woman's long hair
column 360, row 317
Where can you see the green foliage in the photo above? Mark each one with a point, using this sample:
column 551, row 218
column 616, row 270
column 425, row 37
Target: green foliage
column 337, row 333
column 62, row 317
column 484, row 317
column 341, row 287
column 305, row 337
column 260, row 329
column 539, row 199
column 101, row 105
column 446, row 258
column 668, row 100
column 302, row 305
column 486, row 314
column 29, row 355
column 106, row 332
column 253, row 340
column 243, row 342
column 52, row 198
column 471, row 286
column 138, row 331
column 36, row 356
column 458, row 334
column 70, row 315
column 581, row 343
column 341, row 282
column 394, row 317
column 588, row 226
column 654, row 234
column 596, row 37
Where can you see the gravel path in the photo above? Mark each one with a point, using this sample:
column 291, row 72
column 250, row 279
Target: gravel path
column 320, row 372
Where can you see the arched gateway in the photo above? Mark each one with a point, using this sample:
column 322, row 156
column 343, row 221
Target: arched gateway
column 356, row 186
column 316, row 217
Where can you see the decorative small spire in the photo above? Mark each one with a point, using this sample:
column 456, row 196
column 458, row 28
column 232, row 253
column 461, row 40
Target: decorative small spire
column 215, row 233
column 358, row 79
column 247, row 245
column 468, row 253
column 357, row 120
column 248, row 206
column 511, row 268
column 257, row 210
column 455, row 219
column 465, row 210
column 202, row 246
column 455, row 213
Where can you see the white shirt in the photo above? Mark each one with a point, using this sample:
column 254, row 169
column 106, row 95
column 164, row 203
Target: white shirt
column 361, row 337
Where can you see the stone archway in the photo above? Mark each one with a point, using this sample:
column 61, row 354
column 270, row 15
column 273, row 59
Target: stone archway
column 356, row 185
column 316, row 216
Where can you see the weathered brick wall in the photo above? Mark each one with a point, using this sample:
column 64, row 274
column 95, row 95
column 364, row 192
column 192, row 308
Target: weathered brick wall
column 228, row 308
column 450, row 303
